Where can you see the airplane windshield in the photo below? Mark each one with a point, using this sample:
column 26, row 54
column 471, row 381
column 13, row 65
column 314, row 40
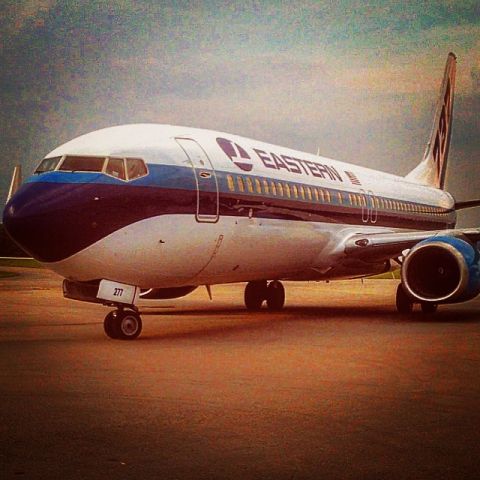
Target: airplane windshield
column 125, row 169
column 48, row 164
column 82, row 164
column 136, row 168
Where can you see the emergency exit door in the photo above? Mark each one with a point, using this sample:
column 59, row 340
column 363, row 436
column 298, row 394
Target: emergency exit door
column 205, row 178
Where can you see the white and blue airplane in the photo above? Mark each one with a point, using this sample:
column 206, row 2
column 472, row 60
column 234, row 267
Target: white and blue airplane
column 154, row 211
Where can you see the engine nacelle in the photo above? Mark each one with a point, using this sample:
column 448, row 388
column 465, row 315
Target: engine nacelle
column 442, row 269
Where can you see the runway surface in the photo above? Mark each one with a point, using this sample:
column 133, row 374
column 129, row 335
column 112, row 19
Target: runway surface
column 337, row 385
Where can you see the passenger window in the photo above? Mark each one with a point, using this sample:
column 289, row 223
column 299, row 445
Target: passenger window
column 309, row 193
column 265, row 187
column 328, row 196
column 48, row 164
column 258, row 186
column 116, row 168
column 295, row 191
column 339, row 196
column 286, row 187
column 280, row 189
column 315, row 194
column 272, row 186
column 230, row 182
column 136, row 168
column 82, row 164
column 240, row 184
column 249, row 184
column 322, row 196
column 302, row 192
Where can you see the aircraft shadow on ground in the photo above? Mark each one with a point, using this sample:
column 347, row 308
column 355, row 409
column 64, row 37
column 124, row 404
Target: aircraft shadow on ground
column 243, row 321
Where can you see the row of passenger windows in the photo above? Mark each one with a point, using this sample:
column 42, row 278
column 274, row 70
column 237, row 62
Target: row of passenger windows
column 121, row 168
column 309, row 193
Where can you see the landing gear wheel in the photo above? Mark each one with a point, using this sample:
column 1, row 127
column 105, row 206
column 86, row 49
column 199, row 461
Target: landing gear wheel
column 128, row 325
column 428, row 308
column 109, row 325
column 275, row 295
column 403, row 301
column 255, row 294
column 123, row 324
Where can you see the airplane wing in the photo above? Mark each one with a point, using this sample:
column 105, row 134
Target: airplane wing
column 383, row 246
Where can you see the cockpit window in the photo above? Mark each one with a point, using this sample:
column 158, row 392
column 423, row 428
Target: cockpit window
column 116, row 168
column 136, row 168
column 82, row 164
column 48, row 164
column 121, row 168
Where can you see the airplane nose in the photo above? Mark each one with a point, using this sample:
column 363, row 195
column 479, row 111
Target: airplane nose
column 35, row 219
column 52, row 221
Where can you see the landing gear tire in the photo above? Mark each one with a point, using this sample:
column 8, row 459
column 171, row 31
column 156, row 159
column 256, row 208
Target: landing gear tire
column 109, row 325
column 428, row 308
column 403, row 301
column 255, row 294
column 275, row 295
column 123, row 324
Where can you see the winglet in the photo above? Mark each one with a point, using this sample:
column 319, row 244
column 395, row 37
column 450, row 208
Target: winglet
column 432, row 169
column 15, row 182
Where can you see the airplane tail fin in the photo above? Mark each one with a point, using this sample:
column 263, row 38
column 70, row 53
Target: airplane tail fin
column 431, row 170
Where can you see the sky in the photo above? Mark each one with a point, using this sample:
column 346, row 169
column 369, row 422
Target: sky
column 355, row 80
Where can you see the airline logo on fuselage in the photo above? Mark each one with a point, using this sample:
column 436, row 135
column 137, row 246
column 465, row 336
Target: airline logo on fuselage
column 236, row 154
column 239, row 156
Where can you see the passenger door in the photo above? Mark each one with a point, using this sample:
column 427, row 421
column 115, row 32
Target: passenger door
column 205, row 178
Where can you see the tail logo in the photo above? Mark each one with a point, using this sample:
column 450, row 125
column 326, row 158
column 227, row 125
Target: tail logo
column 440, row 145
column 236, row 154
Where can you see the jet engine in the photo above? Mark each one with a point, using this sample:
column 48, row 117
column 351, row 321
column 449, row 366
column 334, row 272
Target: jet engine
column 442, row 269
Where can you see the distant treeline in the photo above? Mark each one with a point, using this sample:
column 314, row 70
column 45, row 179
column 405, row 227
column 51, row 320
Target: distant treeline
column 7, row 247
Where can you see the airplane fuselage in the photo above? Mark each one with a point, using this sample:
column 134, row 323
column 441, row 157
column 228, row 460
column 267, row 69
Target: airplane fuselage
column 210, row 208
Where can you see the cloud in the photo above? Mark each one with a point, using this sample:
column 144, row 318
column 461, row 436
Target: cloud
column 475, row 76
column 22, row 13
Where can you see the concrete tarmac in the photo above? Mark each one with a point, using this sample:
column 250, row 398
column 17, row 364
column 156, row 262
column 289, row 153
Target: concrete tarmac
column 336, row 386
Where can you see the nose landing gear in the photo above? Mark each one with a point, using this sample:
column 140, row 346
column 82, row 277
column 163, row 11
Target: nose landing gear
column 259, row 291
column 123, row 324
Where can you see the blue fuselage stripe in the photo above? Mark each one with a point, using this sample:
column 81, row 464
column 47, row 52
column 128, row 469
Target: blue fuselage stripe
column 182, row 178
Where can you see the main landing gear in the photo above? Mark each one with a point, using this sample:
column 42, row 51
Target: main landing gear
column 123, row 324
column 405, row 303
column 259, row 291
